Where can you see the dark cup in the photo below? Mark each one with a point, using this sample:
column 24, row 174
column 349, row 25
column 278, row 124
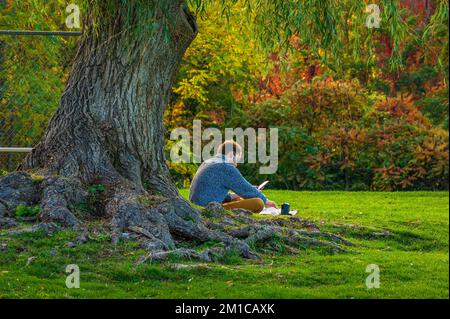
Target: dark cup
column 285, row 208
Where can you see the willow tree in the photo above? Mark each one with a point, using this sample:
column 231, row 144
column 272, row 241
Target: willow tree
column 109, row 128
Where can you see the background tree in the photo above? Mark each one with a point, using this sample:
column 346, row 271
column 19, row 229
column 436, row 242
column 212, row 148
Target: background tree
column 296, row 85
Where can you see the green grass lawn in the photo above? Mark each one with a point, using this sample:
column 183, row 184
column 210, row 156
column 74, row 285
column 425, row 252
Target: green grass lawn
column 411, row 252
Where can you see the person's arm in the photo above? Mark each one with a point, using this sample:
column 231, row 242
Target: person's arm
column 231, row 197
column 234, row 197
column 233, row 179
column 269, row 203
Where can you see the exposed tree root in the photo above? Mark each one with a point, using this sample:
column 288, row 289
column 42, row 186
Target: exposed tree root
column 207, row 255
column 129, row 214
column 160, row 223
column 48, row 228
column 59, row 196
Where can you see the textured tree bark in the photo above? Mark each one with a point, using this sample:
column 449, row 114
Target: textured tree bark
column 109, row 125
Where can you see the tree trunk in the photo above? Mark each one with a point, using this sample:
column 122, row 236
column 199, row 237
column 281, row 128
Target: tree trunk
column 109, row 125
column 109, row 129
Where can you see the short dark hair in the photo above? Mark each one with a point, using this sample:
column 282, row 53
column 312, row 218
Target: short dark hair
column 229, row 146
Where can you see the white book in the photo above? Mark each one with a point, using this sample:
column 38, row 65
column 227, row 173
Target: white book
column 275, row 211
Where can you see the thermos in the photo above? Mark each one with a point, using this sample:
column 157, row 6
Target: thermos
column 285, row 208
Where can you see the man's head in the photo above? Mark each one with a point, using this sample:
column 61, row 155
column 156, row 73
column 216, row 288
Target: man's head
column 231, row 150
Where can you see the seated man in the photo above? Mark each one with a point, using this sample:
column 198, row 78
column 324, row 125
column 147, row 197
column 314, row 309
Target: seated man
column 218, row 175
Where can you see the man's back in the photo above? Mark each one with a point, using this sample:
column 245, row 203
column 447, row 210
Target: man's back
column 214, row 179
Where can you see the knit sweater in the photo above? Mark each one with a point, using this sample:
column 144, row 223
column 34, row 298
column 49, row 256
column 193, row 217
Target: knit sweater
column 215, row 178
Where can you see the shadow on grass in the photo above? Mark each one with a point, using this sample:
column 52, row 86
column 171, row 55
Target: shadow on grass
column 401, row 239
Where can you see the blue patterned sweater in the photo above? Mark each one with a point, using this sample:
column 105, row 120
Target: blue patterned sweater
column 215, row 178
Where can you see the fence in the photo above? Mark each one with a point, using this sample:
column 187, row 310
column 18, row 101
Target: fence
column 30, row 87
column 10, row 156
